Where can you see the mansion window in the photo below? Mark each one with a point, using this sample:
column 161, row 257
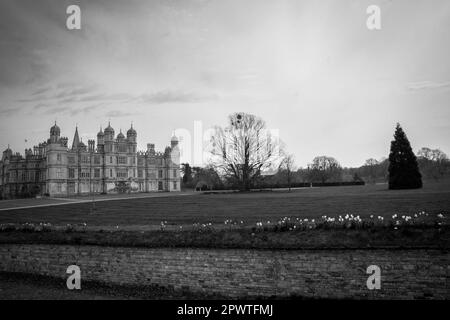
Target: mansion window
column 84, row 159
column 85, row 174
column 58, row 157
column 122, row 148
column 175, row 185
column 110, row 173
column 122, row 174
column 160, row 174
column 71, row 173
column 96, row 173
column 110, row 160
column 174, row 173
column 140, row 174
column 59, row 187
column 122, row 160
column 71, row 160
column 97, row 160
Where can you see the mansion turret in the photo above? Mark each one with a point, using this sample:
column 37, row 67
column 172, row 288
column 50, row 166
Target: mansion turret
column 112, row 165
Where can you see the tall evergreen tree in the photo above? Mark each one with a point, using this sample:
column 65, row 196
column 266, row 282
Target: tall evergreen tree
column 403, row 168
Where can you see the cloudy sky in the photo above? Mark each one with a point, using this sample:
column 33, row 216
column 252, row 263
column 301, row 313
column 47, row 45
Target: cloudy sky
column 310, row 68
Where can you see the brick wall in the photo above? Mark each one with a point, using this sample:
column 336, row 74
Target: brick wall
column 242, row 273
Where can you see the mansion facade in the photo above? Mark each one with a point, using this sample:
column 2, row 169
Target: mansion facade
column 112, row 165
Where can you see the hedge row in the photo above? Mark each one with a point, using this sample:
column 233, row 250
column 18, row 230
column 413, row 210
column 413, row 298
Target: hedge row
column 300, row 185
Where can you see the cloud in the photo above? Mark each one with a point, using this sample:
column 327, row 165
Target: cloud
column 118, row 114
column 41, row 91
column 107, row 97
column 54, row 110
column 8, row 111
column 49, row 108
column 75, row 92
column 87, row 109
column 63, row 93
column 424, row 85
column 176, row 97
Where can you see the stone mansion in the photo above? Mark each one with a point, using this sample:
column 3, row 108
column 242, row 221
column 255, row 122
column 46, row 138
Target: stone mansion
column 112, row 166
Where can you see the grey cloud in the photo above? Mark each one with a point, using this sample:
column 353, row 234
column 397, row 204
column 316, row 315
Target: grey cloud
column 41, row 91
column 40, row 106
column 175, row 96
column 5, row 112
column 62, row 92
column 70, row 92
column 58, row 109
column 86, row 109
column 74, row 92
column 423, row 85
column 118, row 114
column 25, row 48
column 120, row 97
column 107, row 97
column 65, row 94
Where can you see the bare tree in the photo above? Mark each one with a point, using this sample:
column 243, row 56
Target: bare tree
column 324, row 168
column 243, row 149
column 371, row 162
column 425, row 153
column 287, row 166
column 371, row 165
column 432, row 154
column 433, row 162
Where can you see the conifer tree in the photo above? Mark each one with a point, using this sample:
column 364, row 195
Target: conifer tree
column 403, row 168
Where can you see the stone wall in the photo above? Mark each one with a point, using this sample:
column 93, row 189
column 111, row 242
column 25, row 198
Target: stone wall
column 405, row 274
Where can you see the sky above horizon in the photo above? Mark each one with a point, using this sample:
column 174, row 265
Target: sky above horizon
column 310, row 69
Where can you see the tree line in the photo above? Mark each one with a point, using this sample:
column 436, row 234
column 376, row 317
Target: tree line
column 245, row 155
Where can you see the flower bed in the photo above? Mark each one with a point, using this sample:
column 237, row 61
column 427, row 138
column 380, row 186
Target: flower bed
column 344, row 231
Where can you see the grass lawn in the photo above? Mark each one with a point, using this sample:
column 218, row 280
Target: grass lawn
column 139, row 222
column 199, row 220
column 248, row 207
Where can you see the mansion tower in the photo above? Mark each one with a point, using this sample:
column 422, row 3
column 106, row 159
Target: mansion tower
column 113, row 165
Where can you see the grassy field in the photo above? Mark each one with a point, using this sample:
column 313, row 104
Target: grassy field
column 247, row 207
column 136, row 222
